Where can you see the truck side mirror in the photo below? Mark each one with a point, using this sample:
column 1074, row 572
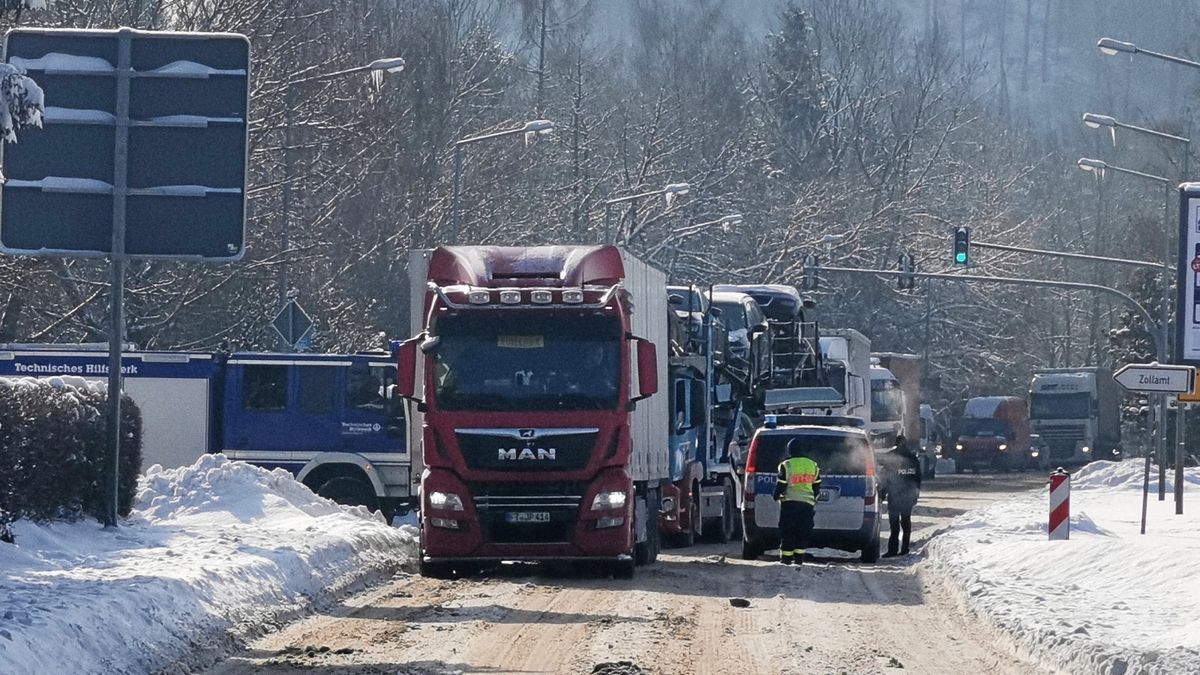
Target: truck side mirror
column 406, row 368
column 647, row 366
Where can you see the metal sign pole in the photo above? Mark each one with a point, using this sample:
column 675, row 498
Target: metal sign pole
column 1145, row 491
column 116, row 328
column 1180, row 446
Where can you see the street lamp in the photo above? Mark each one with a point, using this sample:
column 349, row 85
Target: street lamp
column 726, row 223
column 378, row 68
column 1111, row 47
column 531, row 129
column 1099, row 167
column 1094, row 121
column 670, row 192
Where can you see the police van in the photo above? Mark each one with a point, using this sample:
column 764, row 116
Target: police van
column 847, row 511
column 328, row 419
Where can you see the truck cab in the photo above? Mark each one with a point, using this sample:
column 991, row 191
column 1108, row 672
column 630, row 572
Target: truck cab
column 846, row 359
column 992, row 434
column 1076, row 413
column 887, row 410
column 534, row 371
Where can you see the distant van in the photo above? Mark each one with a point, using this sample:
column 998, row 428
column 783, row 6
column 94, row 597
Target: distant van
column 992, row 434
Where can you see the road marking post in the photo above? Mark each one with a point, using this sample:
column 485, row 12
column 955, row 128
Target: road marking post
column 1060, row 505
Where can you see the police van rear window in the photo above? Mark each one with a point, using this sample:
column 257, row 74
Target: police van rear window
column 834, row 455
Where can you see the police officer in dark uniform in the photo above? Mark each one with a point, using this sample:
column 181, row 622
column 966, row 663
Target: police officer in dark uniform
column 796, row 490
column 901, row 473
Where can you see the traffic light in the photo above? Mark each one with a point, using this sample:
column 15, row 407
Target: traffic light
column 908, row 269
column 962, row 246
column 811, row 266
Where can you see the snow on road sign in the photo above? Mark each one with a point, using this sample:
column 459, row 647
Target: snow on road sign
column 1153, row 378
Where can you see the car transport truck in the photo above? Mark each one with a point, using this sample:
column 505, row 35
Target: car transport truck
column 535, row 371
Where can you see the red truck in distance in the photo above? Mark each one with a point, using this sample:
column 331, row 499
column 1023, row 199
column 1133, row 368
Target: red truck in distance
column 534, row 372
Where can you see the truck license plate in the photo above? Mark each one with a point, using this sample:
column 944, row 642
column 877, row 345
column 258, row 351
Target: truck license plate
column 527, row 517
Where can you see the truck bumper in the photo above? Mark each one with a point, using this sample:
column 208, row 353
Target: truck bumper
column 539, row 522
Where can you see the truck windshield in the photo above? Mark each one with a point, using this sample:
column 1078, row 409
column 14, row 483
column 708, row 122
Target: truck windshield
column 527, row 362
column 984, row 428
column 1060, row 406
column 887, row 401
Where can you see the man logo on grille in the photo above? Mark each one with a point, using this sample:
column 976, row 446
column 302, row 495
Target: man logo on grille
column 522, row 454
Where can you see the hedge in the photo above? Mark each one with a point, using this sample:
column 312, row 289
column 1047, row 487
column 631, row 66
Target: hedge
column 53, row 447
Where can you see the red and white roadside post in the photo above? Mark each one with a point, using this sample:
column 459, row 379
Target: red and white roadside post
column 1060, row 504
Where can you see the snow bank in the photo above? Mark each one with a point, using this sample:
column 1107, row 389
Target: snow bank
column 210, row 553
column 1108, row 600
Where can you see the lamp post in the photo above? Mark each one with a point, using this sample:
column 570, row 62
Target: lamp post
column 1099, row 167
column 669, row 192
column 725, row 223
column 1110, row 47
column 378, row 68
column 530, row 129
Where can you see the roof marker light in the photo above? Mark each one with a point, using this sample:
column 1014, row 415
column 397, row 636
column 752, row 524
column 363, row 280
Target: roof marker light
column 541, row 297
column 572, row 297
column 479, row 297
column 510, row 297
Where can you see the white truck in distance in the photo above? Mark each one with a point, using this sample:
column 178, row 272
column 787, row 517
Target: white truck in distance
column 847, row 357
column 887, row 409
column 1076, row 413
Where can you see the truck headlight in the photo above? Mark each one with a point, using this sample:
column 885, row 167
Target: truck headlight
column 1086, row 449
column 1003, row 447
column 445, row 501
column 958, row 446
column 1033, row 453
column 605, row 501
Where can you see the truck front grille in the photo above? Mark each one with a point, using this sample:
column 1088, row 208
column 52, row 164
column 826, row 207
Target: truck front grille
column 550, row 512
column 1062, row 439
column 505, row 452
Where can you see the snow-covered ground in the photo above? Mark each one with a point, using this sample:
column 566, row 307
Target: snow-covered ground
column 1109, row 600
column 211, row 554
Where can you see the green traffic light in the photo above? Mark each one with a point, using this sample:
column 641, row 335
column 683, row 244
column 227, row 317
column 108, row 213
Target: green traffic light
column 960, row 257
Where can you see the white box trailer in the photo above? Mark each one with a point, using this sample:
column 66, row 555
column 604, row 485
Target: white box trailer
column 173, row 391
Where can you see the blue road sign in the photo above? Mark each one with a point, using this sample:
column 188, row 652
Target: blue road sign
column 293, row 324
column 144, row 132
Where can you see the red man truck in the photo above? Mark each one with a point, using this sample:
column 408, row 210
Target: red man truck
column 534, row 373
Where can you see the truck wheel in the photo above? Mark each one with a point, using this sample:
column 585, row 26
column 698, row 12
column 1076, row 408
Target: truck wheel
column 728, row 526
column 646, row 552
column 695, row 518
column 349, row 491
column 751, row 550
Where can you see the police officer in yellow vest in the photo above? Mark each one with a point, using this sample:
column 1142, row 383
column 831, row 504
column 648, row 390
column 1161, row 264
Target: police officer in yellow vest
column 796, row 490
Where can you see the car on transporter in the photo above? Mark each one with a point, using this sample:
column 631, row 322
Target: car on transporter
column 847, row 510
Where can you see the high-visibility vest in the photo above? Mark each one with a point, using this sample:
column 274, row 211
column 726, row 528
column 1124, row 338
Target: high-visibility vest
column 798, row 474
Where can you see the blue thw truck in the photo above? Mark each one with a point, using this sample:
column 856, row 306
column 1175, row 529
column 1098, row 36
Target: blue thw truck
column 329, row 419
